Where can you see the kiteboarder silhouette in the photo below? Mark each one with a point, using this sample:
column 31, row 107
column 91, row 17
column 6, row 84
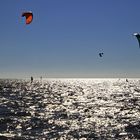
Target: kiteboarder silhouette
column 31, row 79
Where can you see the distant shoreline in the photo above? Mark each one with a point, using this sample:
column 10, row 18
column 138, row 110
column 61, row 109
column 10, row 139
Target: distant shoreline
column 70, row 78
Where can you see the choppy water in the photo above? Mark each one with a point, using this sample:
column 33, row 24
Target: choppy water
column 70, row 109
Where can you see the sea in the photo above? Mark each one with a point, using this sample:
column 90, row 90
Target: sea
column 70, row 109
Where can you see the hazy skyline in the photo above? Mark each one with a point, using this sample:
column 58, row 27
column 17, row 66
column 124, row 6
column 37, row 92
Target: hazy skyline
column 66, row 36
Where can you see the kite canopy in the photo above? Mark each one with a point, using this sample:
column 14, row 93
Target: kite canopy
column 101, row 54
column 138, row 37
column 28, row 16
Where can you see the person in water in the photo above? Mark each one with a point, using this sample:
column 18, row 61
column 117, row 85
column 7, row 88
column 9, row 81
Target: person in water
column 31, row 79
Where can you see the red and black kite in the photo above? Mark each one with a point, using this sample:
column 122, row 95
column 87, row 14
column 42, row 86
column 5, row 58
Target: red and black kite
column 28, row 16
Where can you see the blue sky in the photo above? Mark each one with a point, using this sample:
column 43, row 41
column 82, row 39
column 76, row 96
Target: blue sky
column 66, row 36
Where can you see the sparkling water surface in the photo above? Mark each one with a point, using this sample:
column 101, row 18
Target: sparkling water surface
column 68, row 109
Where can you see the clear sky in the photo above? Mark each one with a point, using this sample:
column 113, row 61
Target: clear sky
column 66, row 36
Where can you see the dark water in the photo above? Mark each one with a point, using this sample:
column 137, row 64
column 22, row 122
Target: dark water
column 69, row 110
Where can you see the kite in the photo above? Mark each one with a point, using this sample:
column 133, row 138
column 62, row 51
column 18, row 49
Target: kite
column 138, row 37
column 101, row 54
column 28, row 16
